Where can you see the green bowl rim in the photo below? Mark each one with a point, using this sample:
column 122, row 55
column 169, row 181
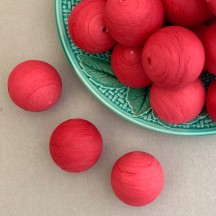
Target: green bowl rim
column 65, row 44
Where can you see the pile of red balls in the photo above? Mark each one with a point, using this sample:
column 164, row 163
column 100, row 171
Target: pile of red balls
column 145, row 51
column 76, row 145
column 163, row 43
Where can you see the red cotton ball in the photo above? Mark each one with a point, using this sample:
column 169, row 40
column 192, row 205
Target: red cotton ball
column 211, row 100
column 210, row 49
column 212, row 6
column 173, row 57
column 127, row 66
column 87, row 28
column 34, row 85
column 177, row 106
column 137, row 178
column 76, row 145
column 186, row 13
column 132, row 22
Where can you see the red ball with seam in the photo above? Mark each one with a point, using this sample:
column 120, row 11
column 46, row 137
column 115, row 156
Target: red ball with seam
column 137, row 178
column 177, row 106
column 76, row 145
column 127, row 66
column 87, row 27
column 132, row 22
column 173, row 57
column 186, row 13
column 211, row 100
column 212, row 6
column 34, row 85
column 209, row 42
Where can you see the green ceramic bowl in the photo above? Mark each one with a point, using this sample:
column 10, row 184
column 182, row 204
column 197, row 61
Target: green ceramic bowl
column 132, row 104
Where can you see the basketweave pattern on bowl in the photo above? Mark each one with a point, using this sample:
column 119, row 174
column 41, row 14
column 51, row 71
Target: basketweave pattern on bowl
column 130, row 103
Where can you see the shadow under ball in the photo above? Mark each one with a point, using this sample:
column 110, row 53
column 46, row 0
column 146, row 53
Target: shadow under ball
column 200, row 31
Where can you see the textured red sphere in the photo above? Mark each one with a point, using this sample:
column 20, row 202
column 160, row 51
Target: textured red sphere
column 76, row 145
column 127, row 66
column 34, row 85
column 211, row 100
column 87, row 28
column 132, row 22
column 173, row 57
column 137, row 178
column 212, row 6
column 177, row 106
column 187, row 13
column 210, row 49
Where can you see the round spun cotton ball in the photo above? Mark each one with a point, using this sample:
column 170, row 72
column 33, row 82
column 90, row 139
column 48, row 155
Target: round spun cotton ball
column 132, row 22
column 211, row 100
column 34, row 85
column 76, row 145
column 87, row 28
column 177, row 106
column 210, row 49
column 212, row 6
column 137, row 178
column 186, row 13
column 127, row 66
column 173, row 57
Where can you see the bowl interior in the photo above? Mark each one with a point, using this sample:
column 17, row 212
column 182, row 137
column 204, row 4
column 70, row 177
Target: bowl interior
column 95, row 72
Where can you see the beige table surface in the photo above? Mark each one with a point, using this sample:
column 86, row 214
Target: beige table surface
column 32, row 185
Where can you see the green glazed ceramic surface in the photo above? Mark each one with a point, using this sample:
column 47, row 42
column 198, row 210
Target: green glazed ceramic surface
column 132, row 104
